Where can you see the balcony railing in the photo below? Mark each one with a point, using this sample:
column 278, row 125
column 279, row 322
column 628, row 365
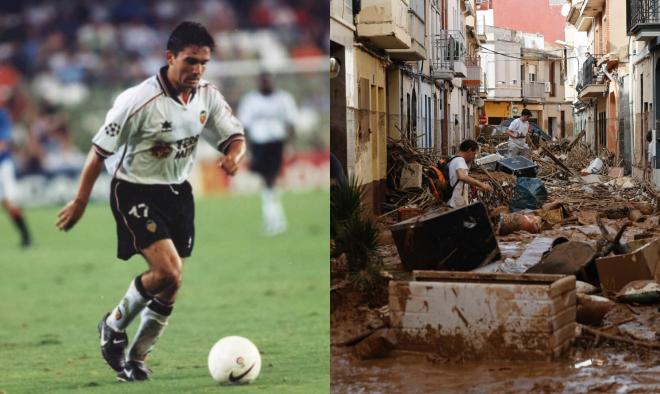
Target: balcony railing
column 473, row 76
column 643, row 17
column 533, row 89
column 447, row 50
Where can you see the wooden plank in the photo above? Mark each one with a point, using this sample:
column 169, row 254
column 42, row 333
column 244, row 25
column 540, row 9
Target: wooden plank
column 484, row 277
column 562, row 302
column 565, row 333
column 562, row 285
column 563, row 318
column 560, row 350
column 576, row 139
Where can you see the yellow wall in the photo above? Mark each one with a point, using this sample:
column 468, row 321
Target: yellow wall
column 497, row 109
column 371, row 123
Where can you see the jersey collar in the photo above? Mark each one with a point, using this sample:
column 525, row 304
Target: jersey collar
column 168, row 89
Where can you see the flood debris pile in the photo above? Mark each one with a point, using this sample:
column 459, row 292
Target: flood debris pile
column 578, row 218
column 405, row 167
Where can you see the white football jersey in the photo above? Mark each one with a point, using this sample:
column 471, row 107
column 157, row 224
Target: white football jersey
column 150, row 136
column 266, row 117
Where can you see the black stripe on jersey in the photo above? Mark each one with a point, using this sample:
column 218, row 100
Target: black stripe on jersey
column 224, row 145
column 101, row 152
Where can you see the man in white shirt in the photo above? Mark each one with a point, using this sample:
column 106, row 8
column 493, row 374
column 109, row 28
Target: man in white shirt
column 150, row 138
column 458, row 174
column 518, row 135
column 268, row 115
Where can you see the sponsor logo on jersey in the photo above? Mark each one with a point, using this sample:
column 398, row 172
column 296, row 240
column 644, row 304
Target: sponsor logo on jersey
column 161, row 150
column 186, row 147
column 151, row 226
column 166, row 127
column 112, row 129
column 202, row 117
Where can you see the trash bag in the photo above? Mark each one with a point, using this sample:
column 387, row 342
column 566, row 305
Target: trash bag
column 529, row 193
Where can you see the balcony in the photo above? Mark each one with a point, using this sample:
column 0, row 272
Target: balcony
column 473, row 75
column 417, row 49
column 533, row 90
column 385, row 23
column 589, row 10
column 591, row 84
column 448, row 55
column 643, row 19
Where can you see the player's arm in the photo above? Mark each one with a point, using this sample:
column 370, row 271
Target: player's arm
column 73, row 211
column 235, row 153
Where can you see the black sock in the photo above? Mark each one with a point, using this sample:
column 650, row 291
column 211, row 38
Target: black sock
column 20, row 224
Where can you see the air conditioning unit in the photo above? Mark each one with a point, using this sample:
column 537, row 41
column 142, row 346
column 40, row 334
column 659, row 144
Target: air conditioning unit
column 478, row 2
column 548, row 87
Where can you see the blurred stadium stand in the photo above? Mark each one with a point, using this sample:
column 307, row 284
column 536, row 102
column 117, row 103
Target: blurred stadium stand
column 62, row 63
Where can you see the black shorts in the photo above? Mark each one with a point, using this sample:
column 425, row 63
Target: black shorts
column 267, row 158
column 148, row 213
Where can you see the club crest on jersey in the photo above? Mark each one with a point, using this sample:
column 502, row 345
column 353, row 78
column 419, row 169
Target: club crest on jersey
column 160, row 150
column 151, row 226
column 202, row 117
column 166, row 127
column 112, row 129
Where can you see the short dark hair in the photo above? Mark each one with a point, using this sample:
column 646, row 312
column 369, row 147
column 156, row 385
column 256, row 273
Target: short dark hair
column 649, row 136
column 468, row 145
column 526, row 112
column 187, row 34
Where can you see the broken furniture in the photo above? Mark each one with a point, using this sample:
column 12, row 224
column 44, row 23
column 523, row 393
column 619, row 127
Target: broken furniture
column 470, row 315
column 518, row 165
column 569, row 258
column 457, row 240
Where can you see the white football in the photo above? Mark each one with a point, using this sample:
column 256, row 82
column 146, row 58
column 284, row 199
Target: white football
column 234, row 360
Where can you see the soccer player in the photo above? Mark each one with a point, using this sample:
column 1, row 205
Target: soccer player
column 8, row 181
column 153, row 129
column 268, row 116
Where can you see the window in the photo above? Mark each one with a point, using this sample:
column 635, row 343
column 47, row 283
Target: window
column 531, row 72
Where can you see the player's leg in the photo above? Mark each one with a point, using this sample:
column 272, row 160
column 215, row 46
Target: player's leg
column 153, row 321
column 163, row 281
column 140, row 229
column 7, row 189
column 272, row 210
column 155, row 316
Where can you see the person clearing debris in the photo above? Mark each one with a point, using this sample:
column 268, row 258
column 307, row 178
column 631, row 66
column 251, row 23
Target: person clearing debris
column 458, row 174
column 519, row 136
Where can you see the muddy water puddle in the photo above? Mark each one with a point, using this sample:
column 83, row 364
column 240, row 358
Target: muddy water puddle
column 597, row 370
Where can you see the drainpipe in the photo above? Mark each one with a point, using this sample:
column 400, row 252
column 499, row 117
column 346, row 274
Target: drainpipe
column 631, row 111
column 401, row 102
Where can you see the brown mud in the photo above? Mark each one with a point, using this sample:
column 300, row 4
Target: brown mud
column 595, row 365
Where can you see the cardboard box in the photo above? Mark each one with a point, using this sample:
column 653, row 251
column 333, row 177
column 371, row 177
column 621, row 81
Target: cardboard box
column 617, row 271
column 411, row 176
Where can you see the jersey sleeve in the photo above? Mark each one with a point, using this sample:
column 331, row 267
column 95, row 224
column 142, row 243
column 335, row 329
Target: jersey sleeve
column 119, row 123
column 223, row 127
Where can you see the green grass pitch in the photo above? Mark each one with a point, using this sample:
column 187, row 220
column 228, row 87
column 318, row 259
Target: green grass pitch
column 273, row 291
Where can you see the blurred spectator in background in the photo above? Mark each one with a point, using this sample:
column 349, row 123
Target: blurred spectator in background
column 7, row 181
column 61, row 61
column 268, row 116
